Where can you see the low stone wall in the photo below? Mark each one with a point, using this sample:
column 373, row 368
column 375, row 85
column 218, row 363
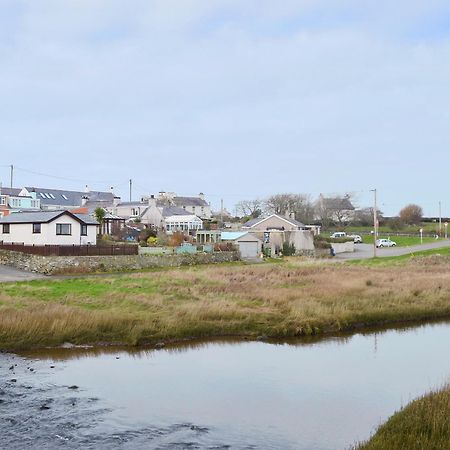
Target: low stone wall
column 52, row 265
column 344, row 247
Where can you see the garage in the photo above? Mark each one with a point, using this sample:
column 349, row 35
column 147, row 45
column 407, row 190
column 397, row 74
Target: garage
column 249, row 245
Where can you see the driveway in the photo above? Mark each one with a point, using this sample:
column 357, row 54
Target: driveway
column 365, row 251
column 10, row 274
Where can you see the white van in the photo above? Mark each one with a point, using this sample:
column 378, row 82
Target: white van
column 339, row 234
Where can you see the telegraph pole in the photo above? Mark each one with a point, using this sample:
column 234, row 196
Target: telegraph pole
column 440, row 219
column 131, row 187
column 375, row 223
column 12, row 176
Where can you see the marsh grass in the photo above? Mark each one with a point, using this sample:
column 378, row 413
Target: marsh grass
column 277, row 300
column 422, row 425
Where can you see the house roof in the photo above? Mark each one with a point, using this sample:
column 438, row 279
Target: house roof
column 251, row 223
column 232, row 235
column 338, row 203
column 9, row 191
column 189, row 201
column 69, row 198
column 45, row 217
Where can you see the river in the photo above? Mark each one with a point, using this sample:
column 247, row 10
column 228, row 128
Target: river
column 304, row 394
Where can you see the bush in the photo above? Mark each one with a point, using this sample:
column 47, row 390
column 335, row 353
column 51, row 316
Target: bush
column 321, row 242
column 288, row 249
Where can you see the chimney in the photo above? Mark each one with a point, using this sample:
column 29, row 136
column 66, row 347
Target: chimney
column 86, row 189
column 152, row 201
column 116, row 200
column 84, row 200
column 202, row 195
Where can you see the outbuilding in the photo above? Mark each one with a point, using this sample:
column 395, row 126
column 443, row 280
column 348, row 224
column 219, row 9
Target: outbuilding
column 248, row 244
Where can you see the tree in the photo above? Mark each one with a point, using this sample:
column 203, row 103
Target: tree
column 249, row 208
column 100, row 214
column 364, row 217
column 299, row 205
column 411, row 214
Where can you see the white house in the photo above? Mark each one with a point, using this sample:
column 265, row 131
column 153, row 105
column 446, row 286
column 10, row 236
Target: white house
column 48, row 228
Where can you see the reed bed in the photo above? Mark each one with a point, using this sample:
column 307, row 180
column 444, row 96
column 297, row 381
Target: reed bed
column 274, row 300
column 422, row 425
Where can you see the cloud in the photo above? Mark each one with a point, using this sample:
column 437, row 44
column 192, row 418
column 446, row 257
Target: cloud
column 238, row 99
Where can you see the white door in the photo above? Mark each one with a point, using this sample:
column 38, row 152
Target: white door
column 248, row 249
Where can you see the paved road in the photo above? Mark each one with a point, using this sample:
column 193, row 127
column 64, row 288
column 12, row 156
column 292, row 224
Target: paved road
column 365, row 251
column 10, row 274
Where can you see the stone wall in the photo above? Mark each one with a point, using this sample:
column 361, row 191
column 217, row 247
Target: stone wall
column 52, row 265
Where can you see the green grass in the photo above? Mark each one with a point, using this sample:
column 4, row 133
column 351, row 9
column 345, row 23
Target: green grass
column 422, row 425
column 423, row 255
column 285, row 299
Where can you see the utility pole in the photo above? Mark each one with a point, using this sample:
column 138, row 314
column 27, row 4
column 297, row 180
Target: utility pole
column 440, row 219
column 221, row 212
column 12, row 176
column 375, row 223
column 131, row 187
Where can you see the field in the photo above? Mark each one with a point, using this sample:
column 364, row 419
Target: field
column 291, row 298
column 423, row 424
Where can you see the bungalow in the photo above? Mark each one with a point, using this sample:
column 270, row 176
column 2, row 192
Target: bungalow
column 48, row 228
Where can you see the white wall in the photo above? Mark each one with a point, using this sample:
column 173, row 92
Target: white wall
column 23, row 233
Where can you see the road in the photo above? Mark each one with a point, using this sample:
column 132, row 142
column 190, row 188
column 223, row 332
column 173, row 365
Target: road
column 365, row 251
column 10, row 274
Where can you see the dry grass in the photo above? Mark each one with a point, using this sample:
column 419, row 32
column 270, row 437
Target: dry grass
column 277, row 300
column 422, row 425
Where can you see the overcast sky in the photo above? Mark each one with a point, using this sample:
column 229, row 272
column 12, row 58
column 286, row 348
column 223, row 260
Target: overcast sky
column 235, row 98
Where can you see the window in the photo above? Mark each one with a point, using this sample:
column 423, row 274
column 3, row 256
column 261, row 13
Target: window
column 36, row 228
column 6, row 228
column 63, row 229
column 83, row 230
column 2, row 200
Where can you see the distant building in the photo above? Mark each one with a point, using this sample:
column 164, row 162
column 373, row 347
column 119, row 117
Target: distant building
column 58, row 199
column 273, row 222
column 194, row 205
column 13, row 200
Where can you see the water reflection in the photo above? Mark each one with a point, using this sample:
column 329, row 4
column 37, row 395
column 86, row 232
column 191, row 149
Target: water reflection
column 315, row 393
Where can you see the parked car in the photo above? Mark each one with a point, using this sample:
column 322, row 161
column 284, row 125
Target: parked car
column 357, row 239
column 385, row 243
column 339, row 234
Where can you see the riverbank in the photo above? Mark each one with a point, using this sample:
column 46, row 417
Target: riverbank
column 423, row 424
column 274, row 300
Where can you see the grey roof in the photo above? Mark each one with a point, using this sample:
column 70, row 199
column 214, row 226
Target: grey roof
column 45, row 217
column 173, row 211
column 253, row 222
column 189, row 201
column 65, row 198
column 10, row 191
column 338, row 203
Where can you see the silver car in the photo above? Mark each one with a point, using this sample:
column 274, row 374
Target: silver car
column 385, row 243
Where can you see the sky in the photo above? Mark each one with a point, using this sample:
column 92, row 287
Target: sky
column 238, row 99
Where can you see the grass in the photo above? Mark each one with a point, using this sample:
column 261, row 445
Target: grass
column 422, row 425
column 277, row 300
column 434, row 256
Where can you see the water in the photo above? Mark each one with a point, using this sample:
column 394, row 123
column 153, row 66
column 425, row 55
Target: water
column 326, row 394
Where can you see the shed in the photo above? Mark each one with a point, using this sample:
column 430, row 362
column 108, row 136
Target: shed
column 248, row 244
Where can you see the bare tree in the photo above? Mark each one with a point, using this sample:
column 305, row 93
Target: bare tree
column 411, row 214
column 299, row 205
column 249, row 208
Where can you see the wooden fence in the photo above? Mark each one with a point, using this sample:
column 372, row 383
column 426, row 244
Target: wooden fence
column 72, row 250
